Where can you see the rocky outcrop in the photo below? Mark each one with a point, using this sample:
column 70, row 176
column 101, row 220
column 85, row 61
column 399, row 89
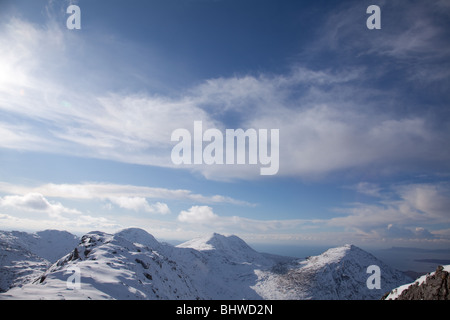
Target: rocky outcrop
column 434, row 286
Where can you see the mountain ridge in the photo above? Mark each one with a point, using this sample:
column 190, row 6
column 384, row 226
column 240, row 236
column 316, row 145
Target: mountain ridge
column 23, row 256
column 132, row 264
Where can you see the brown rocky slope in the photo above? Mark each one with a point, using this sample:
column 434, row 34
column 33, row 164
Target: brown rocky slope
column 433, row 286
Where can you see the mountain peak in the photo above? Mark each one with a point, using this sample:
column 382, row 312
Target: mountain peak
column 346, row 250
column 338, row 273
column 96, row 236
column 55, row 233
column 215, row 241
column 226, row 248
column 334, row 255
column 139, row 236
column 220, row 239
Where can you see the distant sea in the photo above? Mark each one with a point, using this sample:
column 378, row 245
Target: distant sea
column 414, row 259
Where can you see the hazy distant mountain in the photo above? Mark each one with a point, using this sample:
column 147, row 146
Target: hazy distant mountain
column 132, row 264
column 412, row 249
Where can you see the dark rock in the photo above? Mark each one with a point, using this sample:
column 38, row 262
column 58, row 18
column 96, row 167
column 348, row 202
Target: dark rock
column 435, row 287
column 142, row 263
column 148, row 276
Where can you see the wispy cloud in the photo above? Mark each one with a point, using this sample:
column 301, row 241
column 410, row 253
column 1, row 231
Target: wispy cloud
column 406, row 211
column 330, row 120
column 204, row 216
column 140, row 204
column 117, row 193
column 78, row 224
column 47, row 214
column 369, row 189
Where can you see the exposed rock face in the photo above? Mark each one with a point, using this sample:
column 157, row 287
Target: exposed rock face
column 434, row 286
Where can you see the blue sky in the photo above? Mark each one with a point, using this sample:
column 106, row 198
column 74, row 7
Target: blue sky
column 86, row 118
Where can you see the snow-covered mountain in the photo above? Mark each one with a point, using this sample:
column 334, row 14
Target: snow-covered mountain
column 337, row 274
column 132, row 264
column 24, row 256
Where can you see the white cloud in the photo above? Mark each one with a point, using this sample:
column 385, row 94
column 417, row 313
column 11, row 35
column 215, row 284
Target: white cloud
column 35, row 202
column 198, row 214
column 160, row 207
column 50, row 215
column 76, row 224
column 328, row 138
column 104, row 191
column 204, row 216
column 432, row 199
column 393, row 231
column 369, row 189
column 140, row 204
column 405, row 213
column 19, row 137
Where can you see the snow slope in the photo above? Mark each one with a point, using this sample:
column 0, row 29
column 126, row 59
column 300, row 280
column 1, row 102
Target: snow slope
column 111, row 267
column 132, row 264
column 223, row 267
column 23, row 256
column 337, row 274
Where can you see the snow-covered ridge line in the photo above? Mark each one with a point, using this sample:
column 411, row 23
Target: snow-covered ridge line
column 132, row 264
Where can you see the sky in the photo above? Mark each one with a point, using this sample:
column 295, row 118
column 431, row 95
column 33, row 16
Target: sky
column 87, row 119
